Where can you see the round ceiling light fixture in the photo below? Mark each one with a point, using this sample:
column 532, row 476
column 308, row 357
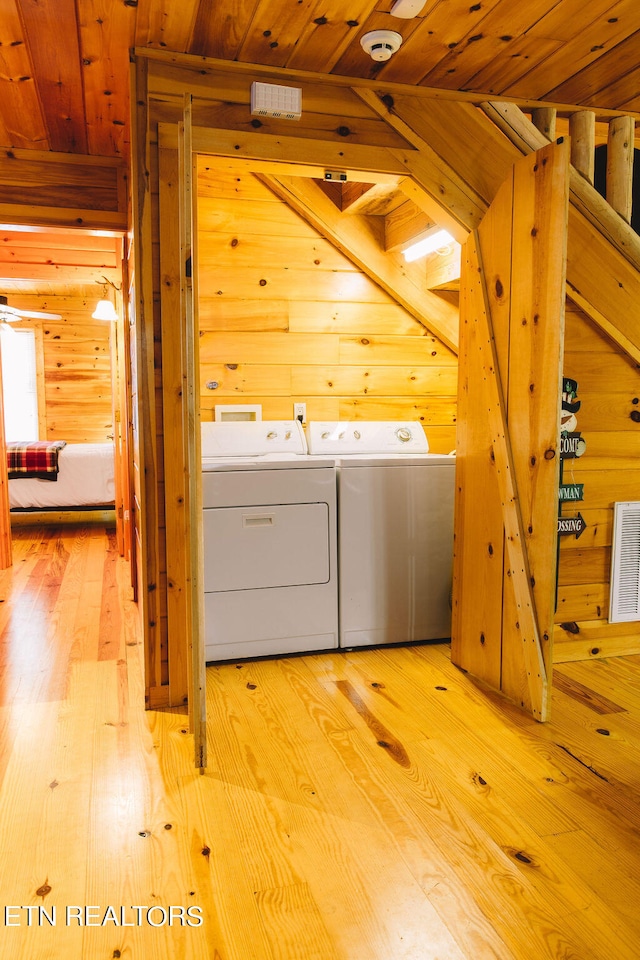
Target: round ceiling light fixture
column 381, row 44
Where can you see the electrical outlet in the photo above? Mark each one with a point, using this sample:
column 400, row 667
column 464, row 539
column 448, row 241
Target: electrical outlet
column 300, row 412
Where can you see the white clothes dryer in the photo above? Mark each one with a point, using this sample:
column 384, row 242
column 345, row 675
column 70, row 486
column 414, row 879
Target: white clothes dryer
column 270, row 552
column 395, row 530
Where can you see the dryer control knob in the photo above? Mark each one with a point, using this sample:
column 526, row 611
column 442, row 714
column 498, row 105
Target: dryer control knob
column 341, row 436
column 272, row 435
column 357, row 434
column 325, row 434
column 287, row 435
column 403, row 434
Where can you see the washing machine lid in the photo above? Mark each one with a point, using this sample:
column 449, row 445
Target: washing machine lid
column 366, row 437
column 252, row 438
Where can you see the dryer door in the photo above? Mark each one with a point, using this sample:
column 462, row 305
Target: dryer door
column 248, row 548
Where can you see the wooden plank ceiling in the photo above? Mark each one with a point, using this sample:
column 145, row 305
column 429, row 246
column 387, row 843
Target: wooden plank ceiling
column 64, row 63
column 64, row 79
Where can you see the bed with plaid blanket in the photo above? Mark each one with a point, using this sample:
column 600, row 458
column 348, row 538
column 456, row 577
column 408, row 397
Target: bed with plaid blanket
column 86, row 479
column 37, row 459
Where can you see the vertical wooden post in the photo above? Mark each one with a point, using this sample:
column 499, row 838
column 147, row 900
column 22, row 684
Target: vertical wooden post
column 191, row 433
column 544, row 118
column 123, row 363
column 6, row 557
column 582, row 130
column 116, row 416
column 511, row 345
column 151, row 581
column 620, row 165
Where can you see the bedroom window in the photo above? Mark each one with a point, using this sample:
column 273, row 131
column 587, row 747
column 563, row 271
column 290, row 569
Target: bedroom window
column 19, row 383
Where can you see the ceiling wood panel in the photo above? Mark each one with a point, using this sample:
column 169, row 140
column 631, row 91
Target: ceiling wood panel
column 51, row 32
column 21, row 120
column 616, row 77
column 106, row 32
column 168, row 25
column 595, row 36
column 64, row 64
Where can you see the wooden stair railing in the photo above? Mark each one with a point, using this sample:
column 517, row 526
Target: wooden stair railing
column 620, row 147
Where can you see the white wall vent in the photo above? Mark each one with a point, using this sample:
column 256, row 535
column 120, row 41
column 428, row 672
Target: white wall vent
column 624, row 603
column 274, row 100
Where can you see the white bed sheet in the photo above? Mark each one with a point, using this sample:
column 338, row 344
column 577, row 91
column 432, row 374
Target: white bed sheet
column 85, row 478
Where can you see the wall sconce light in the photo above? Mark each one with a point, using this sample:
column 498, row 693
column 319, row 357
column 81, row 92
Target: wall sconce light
column 105, row 309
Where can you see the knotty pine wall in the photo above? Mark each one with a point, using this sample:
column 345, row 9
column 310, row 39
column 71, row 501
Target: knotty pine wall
column 609, row 391
column 285, row 317
column 75, row 366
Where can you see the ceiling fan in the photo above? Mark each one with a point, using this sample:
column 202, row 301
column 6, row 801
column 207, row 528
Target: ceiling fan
column 12, row 314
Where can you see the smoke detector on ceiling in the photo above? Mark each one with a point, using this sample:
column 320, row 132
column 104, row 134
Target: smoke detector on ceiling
column 381, row 44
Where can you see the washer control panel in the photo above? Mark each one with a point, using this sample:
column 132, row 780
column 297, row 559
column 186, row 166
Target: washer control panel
column 366, row 437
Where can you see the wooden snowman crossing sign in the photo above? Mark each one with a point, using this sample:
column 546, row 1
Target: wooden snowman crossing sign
column 572, row 446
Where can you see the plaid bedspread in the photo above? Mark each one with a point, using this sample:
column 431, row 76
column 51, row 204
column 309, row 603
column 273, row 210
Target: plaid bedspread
column 38, row 459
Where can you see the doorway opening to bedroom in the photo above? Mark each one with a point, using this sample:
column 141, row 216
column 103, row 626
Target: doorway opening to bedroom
column 65, row 371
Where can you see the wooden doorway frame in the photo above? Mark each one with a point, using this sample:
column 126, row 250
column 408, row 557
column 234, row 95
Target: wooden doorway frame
column 158, row 94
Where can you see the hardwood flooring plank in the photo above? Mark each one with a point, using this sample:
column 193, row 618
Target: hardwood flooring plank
column 375, row 804
column 612, row 677
column 578, row 798
column 567, row 894
column 408, row 799
column 335, row 862
column 109, row 648
column 43, row 859
column 620, row 892
column 585, row 695
column 367, row 804
column 445, row 700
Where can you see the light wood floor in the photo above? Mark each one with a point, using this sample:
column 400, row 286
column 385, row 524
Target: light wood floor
column 363, row 806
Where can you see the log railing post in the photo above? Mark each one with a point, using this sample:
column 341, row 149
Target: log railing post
column 582, row 130
column 620, row 165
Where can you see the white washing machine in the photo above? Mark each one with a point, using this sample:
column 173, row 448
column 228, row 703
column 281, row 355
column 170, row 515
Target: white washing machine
column 270, row 553
column 395, row 531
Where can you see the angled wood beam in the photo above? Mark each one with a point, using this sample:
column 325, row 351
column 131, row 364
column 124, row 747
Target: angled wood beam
column 452, row 202
column 352, row 235
column 379, row 199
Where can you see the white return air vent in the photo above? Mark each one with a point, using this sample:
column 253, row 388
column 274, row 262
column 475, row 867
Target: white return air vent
column 624, row 601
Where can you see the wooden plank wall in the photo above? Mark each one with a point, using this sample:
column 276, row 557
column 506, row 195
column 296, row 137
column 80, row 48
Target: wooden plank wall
column 608, row 419
column 49, row 188
column 285, row 317
column 75, row 360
